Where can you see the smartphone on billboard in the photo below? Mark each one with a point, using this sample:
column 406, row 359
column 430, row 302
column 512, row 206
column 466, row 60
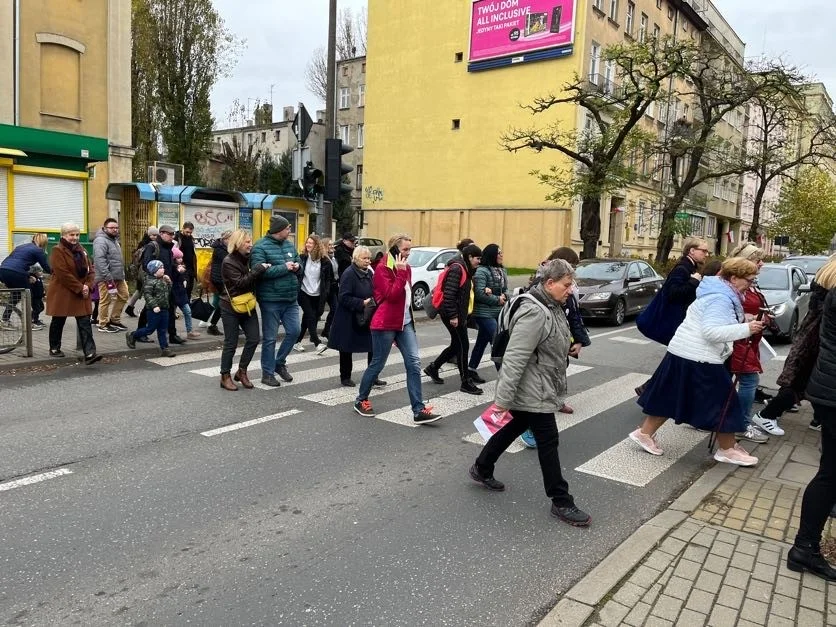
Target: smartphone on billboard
column 557, row 12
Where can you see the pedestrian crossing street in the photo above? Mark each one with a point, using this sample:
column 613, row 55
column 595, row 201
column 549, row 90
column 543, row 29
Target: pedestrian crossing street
column 623, row 462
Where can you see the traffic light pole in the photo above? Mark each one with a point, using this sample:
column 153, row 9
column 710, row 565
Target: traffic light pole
column 331, row 82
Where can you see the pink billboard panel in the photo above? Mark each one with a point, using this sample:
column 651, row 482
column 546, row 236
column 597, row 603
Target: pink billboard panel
column 503, row 28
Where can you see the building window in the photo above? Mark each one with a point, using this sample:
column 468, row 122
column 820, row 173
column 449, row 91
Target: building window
column 643, row 28
column 264, row 137
column 631, row 13
column 457, row 124
column 657, row 32
column 711, row 227
column 697, row 226
column 363, row 68
column 278, row 135
column 60, row 80
column 614, row 10
column 609, row 77
column 345, row 70
column 594, row 62
column 670, row 12
column 361, row 135
column 359, row 170
column 361, row 96
column 345, row 133
column 596, row 4
column 459, row 57
column 249, row 138
column 658, row 4
column 345, row 98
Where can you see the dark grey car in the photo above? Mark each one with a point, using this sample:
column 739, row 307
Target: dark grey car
column 781, row 286
column 615, row 288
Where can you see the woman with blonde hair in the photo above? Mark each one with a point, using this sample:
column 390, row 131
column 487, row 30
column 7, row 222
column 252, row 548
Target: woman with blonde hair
column 316, row 275
column 15, row 273
column 692, row 384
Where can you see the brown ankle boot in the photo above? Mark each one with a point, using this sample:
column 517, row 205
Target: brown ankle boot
column 227, row 384
column 243, row 379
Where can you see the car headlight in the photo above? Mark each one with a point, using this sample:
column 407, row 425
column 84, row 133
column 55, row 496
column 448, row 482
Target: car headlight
column 778, row 310
column 598, row 296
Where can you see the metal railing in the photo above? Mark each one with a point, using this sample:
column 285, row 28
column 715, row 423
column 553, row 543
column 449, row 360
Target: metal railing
column 15, row 320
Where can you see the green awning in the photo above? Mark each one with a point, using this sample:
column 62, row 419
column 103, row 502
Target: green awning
column 53, row 143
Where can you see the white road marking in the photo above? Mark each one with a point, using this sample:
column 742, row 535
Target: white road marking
column 629, row 340
column 779, row 358
column 628, row 463
column 250, row 423
column 623, row 330
column 445, row 405
column 17, row 483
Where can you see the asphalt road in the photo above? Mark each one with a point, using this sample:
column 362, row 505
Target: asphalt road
column 314, row 515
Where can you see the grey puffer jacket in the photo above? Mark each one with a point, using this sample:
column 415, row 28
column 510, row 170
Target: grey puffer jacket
column 533, row 373
column 107, row 258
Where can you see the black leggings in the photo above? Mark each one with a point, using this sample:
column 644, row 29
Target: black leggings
column 310, row 316
column 820, row 495
column 781, row 402
column 459, row 346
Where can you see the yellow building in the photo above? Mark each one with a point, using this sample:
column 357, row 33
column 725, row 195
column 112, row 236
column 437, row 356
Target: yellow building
column 65, row 113
column 441, row 92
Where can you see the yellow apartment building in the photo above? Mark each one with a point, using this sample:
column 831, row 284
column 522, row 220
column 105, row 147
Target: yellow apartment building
column 442, row 89
column 65, row 114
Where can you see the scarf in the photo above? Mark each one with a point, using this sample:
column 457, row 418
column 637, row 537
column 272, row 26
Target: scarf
column 82, row 267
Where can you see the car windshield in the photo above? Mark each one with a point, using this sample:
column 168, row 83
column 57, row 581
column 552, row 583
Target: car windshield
column 810, row 266
column 773, row 279
column 601, row 270
column 420, row 257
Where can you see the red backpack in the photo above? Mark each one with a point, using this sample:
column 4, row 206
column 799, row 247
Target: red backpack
column 438, row 292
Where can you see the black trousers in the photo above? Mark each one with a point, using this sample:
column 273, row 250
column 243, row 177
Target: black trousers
column 172, row 319
column 820, row 494
column 329, row 319
column 544, row 428
column 459, row 347
column 778, row 404
column 249, row 324
column 85, row 333
column 310, row 316
column 346, row 363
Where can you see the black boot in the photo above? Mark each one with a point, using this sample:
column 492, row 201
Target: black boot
column 432, row 372
column 469, row 387
column 130, row 311
column 809, row 558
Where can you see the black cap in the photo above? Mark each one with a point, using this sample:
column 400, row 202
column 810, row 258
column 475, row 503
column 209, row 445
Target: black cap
column 350, row 237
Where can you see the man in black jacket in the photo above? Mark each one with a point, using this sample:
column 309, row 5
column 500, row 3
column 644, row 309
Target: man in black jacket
column 343, row 252
column 161, row 249
column 185, row 241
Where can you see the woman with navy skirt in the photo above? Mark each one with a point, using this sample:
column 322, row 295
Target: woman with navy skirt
column 693, row 384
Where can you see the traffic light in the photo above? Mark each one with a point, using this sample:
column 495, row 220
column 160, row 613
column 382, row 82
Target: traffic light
column 335, row 169
column 311, row 181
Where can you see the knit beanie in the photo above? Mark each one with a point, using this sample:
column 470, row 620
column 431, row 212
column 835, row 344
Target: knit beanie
column 153, row 230
column 154, row 265
column 176, row 253
column 277, row 224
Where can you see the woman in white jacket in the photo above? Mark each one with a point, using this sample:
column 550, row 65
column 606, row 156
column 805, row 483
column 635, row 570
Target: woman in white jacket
column 692, row 384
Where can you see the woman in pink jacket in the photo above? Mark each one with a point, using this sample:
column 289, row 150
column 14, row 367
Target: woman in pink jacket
column 392, row 322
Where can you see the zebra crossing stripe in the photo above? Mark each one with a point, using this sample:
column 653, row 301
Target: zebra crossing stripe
column 629, row 340
column 250, row 423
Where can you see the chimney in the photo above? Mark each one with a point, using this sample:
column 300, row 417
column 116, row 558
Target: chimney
column 289, row 114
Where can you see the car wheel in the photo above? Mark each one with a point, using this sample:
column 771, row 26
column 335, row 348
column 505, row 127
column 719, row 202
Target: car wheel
column 618, row 312
column 793, row 328
column 419, row 293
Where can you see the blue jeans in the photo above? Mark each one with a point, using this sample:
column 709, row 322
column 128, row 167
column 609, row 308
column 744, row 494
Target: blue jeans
column 273, row 314
column 155, row 322
column 407, row 343
column 747, row 383
column 487, row 329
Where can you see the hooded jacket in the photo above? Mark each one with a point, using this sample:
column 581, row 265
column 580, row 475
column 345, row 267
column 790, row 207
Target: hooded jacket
column 107, row 258
column 711, row 324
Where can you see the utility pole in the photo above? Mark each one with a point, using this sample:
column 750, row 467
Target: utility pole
column 331, row 83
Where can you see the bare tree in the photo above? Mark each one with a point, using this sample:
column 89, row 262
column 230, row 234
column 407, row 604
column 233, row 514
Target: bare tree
column 351, row 42
column 600, row 154
column 242, row 166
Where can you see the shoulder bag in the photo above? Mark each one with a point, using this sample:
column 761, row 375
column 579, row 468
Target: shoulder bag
column 243, row 303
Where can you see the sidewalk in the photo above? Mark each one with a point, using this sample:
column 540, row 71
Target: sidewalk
column 717, row 555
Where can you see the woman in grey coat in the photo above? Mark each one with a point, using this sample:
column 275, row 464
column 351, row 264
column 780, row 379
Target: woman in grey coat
column 532, row 382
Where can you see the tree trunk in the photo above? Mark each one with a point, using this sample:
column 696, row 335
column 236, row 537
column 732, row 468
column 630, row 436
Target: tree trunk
column 756, row 213
column 664, row 242
column 590, row 226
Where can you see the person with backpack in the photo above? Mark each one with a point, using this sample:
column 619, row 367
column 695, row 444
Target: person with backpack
column 532, row 382
column 219, row 253
column 490, row 293
column 456, row 287
column 151, row 235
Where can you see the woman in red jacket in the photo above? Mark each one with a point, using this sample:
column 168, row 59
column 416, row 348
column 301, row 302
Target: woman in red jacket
column 392, row 322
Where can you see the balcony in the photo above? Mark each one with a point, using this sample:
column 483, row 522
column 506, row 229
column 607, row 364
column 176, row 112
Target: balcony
column 600, row 85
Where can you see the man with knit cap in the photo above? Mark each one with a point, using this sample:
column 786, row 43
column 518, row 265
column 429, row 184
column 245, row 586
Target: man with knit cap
column 277, row 292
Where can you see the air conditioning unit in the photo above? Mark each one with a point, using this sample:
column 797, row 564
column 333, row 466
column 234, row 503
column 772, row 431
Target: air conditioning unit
column 165, row 173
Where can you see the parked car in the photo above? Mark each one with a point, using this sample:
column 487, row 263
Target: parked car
column 615, row 288
column 373, row 244
column 809, row 263
column 783, row 286
column 427, row 262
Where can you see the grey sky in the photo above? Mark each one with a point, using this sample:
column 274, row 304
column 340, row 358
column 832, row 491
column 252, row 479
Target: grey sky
column 281, row 36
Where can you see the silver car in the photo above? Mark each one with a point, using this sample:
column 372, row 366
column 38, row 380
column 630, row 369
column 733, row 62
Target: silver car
column 781, row 285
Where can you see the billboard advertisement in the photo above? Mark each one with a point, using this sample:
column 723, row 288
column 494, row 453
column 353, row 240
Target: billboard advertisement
column 503, row 28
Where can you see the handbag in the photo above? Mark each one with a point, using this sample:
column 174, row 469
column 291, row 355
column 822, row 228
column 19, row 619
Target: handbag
column 243, row 303
column 364, row 318
column 656, row 322
column 201, row 309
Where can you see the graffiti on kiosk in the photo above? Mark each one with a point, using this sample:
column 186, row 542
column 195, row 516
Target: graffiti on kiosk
column 375, row 194
column 209, row 224
column 211, row 218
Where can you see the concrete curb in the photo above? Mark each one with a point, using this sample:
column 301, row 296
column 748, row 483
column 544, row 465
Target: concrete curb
column 580, row 601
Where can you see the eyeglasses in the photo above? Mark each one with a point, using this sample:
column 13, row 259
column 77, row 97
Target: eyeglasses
column 748, row 280
column 166, row 233
column 702, row 250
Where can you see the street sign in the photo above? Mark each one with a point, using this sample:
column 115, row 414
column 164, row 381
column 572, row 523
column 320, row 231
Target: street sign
column 302, row 125
column 300, row 156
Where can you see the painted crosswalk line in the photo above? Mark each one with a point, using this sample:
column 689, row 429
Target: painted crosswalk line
column 629, row 340
column 44, row 476
column 446, row 405
column 628, row 463
column 250, row 423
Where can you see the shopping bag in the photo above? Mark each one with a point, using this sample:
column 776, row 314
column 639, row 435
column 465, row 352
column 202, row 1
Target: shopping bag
column 766, row 350
column 201, row 309
column 491, row 421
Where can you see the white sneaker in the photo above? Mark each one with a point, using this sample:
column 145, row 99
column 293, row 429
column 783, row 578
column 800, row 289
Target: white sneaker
column 753, row 434
column 767, row 424
column 203, row 324
column 298, row 347
column 321, row 348
column 736, row 456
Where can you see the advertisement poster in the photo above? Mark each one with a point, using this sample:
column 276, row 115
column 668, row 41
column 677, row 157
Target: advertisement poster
column 209, row 222
column 502, row 28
